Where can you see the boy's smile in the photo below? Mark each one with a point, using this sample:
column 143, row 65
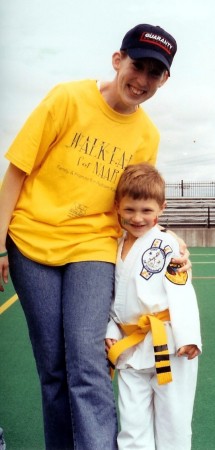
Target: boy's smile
column 137, row 216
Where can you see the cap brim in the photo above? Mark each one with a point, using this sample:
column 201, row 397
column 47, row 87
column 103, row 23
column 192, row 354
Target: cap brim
column 140, row 53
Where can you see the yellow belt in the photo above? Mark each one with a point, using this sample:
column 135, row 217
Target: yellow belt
column 137, row 333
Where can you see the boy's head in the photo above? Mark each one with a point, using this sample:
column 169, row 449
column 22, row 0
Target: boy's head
column 149, row 41
column 140, row 199
column 141, row 181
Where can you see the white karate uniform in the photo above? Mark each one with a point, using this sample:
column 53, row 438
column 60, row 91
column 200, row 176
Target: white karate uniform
column 154, row 416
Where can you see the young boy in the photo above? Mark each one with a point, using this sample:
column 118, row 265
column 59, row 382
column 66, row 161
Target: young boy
column 153, row 335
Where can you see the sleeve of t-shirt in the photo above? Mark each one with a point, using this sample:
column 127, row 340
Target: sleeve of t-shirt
column 39, row 132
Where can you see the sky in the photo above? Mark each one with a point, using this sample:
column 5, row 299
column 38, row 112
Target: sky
column 45, row 42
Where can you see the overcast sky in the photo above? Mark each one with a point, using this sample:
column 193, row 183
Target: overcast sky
column 44, row 42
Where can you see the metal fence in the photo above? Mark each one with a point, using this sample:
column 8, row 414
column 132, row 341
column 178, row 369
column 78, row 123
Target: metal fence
column 190, row 189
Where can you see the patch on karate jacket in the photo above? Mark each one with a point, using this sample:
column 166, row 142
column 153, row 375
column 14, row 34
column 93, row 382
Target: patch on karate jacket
column 173, row 275
column 153, row 259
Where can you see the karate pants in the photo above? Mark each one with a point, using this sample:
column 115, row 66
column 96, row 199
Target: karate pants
column 157, row 417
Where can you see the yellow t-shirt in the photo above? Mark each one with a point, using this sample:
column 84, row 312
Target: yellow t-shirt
column 74, row 148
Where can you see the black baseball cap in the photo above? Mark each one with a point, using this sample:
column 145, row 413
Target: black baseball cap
column 148, row 41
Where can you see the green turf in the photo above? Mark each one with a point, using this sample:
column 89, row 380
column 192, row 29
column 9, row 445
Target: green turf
column 204, row 410
column 20, row 400
column 203, row 268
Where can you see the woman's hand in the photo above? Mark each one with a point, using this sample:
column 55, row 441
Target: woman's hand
column 4, row 271
column 183, row 260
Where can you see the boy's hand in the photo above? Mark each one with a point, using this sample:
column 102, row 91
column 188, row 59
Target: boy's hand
column 108, row 343
column 191, row 351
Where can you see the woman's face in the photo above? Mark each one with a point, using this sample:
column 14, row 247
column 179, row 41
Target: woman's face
column 137, row 80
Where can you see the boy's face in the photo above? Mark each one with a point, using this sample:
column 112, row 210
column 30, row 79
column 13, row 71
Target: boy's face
column 138, row 80
column 138, row 216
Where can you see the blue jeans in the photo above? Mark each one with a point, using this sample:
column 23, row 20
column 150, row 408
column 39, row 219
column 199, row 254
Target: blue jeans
column 66, row 309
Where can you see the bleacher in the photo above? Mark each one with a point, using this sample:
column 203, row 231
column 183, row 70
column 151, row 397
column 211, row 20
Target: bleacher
column 189, row 213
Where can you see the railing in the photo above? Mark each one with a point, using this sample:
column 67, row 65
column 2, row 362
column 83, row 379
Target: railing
column 189, row 213
column 191, row 189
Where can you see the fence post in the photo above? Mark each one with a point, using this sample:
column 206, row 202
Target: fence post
column 209, row 219
column 182, row 188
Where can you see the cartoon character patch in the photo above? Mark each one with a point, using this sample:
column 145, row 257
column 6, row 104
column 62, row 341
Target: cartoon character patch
column 173, row 275
column 154, row 258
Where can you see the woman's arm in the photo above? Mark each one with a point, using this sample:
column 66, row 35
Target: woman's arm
column 183, row 260
column 9, row 194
